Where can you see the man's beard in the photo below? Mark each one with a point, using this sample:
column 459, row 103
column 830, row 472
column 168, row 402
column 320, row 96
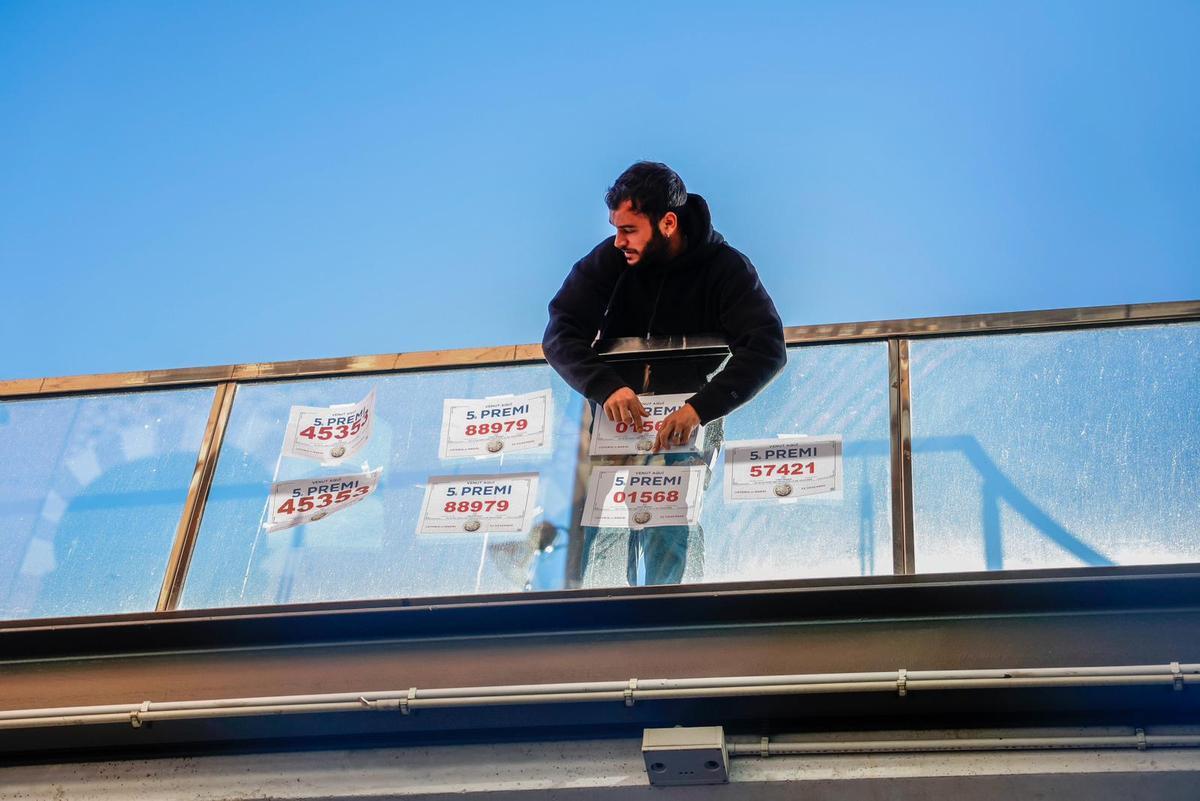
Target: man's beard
column 656, row 250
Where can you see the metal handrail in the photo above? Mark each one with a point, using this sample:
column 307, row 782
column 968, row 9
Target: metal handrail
column 1005, row 322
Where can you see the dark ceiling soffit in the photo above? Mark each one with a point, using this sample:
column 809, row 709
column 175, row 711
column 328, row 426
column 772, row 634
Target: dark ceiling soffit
column 1027, row 592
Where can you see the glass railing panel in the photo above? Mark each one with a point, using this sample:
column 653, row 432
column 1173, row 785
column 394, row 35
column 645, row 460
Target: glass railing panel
column 91, row 493
column 839, row 390
column 372, row 549
column 1038, row 450
column 1076, row 448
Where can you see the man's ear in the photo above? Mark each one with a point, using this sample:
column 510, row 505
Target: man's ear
column 669, row 224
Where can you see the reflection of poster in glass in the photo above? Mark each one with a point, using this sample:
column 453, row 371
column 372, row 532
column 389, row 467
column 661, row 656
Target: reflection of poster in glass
column 307, row 500
column 499, row 504
column 330, row 435
column 644, row 497
column 496, row 425
column 784, row 468
column 611, row 437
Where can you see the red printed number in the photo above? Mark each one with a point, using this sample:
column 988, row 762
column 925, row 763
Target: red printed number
column 644, row 428
column 476, row 506
column 794, row 469
column 309, row 502
column 646, row 497
column 506, row 427
column 333, row 432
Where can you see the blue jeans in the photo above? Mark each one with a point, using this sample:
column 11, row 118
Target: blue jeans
column 670, row 554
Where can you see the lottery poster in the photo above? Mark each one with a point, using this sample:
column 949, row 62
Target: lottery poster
column 497, row 504
column 638, row 497
column 783, row 469
column 307, row 500
column 615, row 437
column 331, row 435
column 485, row 427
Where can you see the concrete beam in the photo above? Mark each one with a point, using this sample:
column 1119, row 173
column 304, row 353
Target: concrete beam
column 608, row 769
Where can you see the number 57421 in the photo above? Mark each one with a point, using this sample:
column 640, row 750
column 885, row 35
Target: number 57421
column 792, row 469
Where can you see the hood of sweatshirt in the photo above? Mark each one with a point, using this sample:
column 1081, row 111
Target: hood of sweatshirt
column 696, row 222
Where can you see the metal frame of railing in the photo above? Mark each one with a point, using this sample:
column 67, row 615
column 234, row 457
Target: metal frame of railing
column 895, row 333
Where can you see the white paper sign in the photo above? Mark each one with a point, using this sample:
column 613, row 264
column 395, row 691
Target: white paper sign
column 784, row 468
column 499, row 504
column 644, row 497
column 483, row 427
column 330, row 435
column 610, row 437
column 307, row 500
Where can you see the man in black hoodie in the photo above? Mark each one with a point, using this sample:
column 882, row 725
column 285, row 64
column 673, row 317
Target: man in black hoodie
column 665, row 272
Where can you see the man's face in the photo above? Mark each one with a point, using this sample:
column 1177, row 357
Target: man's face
column 640, row 241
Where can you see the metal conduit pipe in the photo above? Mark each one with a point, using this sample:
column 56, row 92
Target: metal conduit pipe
column 1139, row 740
column 918, row 675
column 830, row 682
column 628, row 692
column 909, row 686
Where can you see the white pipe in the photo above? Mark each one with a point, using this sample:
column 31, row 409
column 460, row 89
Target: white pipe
column 527, row 689
column 626, row 691
column 1050, row 672
column 998, row 673
column 963, row 744
column 768, row 689
column 752, row 681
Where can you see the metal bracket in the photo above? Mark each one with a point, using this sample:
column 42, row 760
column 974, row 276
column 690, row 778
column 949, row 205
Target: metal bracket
column 1177, row 675
column 629, row 691
column 902, row 682
column 1141, row 739
column 135, row 717
column 405, row 704
column 764, row 747
column 382, row 705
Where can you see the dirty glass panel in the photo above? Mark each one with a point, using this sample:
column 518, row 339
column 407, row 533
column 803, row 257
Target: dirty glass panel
column 824, row 389
column 91, row 493
column 371, row 549
column 1077, row 448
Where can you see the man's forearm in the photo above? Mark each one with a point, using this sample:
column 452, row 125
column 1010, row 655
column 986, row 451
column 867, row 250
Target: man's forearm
column 576, row 315
column 751, row 368
column 581, row 367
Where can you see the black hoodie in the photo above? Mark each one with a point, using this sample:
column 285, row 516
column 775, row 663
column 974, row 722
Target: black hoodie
column 710, row 288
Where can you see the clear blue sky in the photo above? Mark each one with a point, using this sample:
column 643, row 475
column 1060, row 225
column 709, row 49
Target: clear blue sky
column 212, row 182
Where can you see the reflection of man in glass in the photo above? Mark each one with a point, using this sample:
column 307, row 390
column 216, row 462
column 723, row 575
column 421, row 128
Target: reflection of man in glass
column 665, row 272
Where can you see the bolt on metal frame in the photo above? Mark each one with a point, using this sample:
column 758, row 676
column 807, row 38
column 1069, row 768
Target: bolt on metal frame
column 895, row 333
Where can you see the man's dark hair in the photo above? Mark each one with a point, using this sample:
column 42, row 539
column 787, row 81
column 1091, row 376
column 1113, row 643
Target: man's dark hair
column 652, row 188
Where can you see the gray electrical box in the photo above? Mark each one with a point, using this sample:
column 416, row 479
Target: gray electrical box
column 692, row 755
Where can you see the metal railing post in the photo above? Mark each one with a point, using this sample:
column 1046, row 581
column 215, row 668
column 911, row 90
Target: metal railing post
column 900, row 401
column 583, row 470
column 197, row 497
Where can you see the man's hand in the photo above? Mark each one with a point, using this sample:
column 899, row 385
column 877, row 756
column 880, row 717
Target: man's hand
column 677, row 427
column 623, row 406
